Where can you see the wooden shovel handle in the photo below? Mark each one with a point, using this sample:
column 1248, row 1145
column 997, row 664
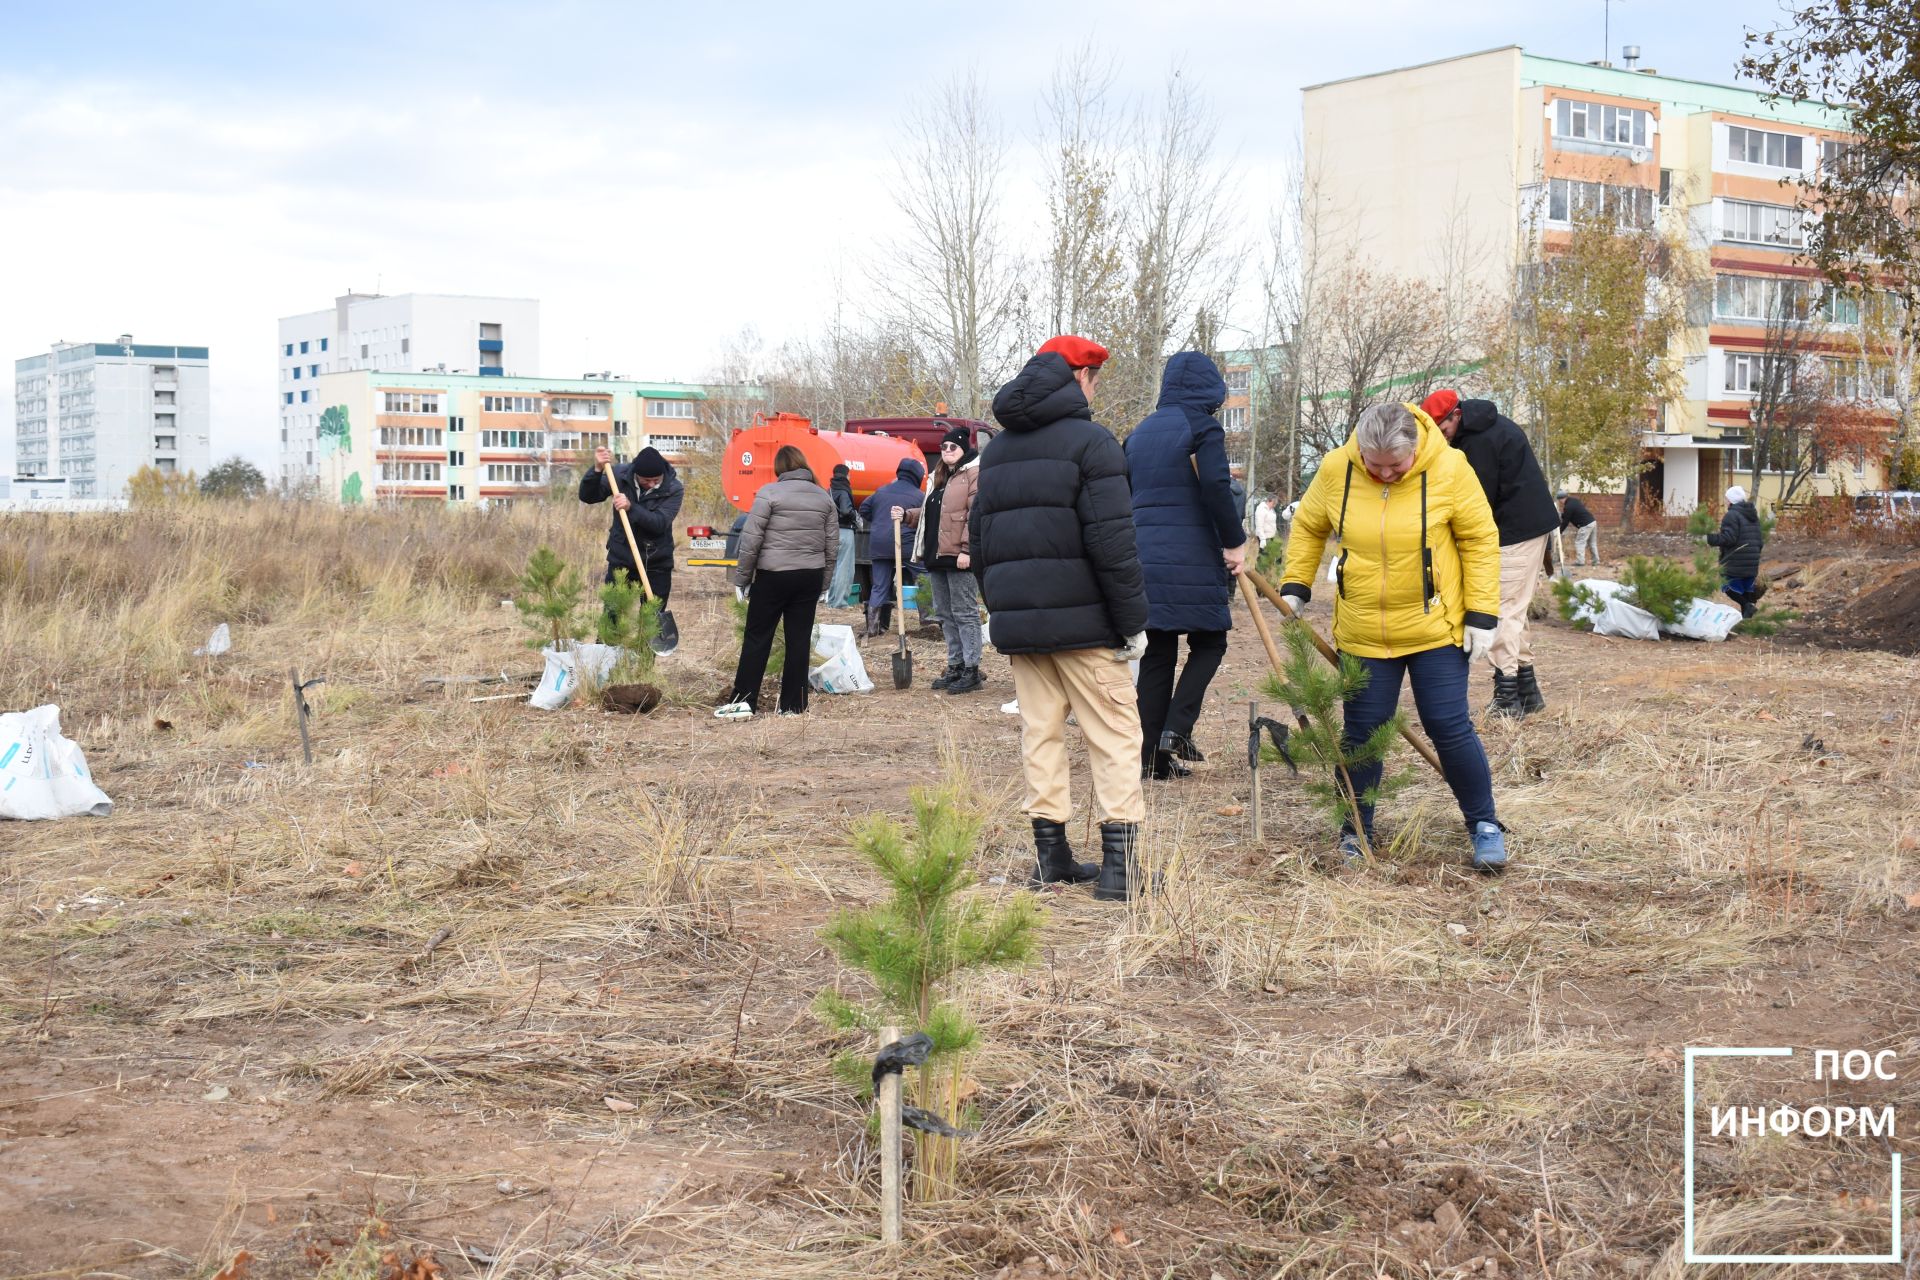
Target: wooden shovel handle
column 899, row 575
column 632, row 546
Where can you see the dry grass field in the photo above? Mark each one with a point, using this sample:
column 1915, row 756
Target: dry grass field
column 487, row 991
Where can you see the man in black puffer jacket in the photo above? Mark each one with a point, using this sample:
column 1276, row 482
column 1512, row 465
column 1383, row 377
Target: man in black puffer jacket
column 1740, row 540
column 1523, row 508
column 1051, row 537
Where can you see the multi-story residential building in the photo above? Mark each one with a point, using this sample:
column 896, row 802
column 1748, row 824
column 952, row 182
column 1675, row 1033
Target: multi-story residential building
column 96, row 412
column 444, row 333
column 1481, row 163
column 473, row 438
column 1254, row 391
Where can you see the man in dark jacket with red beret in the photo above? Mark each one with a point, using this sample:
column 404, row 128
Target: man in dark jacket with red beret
column 1051, row 538
column 1523, row 508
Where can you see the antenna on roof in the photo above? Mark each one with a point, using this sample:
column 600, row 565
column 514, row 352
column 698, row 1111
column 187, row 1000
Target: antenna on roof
column 1606, row 31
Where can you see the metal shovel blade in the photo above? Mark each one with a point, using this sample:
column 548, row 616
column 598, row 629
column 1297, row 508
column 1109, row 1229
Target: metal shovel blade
column 667, row 639
column 903, row 667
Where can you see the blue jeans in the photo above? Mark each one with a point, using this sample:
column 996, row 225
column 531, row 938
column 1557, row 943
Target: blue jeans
column 841, row 588
column 1439, row 679
column 1737, row 587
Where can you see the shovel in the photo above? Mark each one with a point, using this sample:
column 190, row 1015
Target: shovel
column 668, row 637
column 902, row 660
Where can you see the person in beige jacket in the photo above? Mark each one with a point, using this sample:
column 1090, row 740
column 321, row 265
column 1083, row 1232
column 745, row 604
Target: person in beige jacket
column 941, row 544
column 786, row 550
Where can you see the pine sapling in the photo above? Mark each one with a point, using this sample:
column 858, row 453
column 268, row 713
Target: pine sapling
column 1317, row 693
column 549, row 601
column 629, row 620
column 917, row 946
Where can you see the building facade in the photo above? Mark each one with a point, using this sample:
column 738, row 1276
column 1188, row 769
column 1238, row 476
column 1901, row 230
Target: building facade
column 442, row 333
column 1472, row 167
column 486, row 439
column 97, row 412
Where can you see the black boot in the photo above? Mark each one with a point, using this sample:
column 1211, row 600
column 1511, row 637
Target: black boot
column 1165, row 767
column 1530, row 698
column 1120, row 876
column 1180, row 746
column 1053, row 858
column 967, row 681
column 1506, row 697
column 946, row 678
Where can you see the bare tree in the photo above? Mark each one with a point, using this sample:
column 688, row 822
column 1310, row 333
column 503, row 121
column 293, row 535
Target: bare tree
column 956, row 280
column 1810, row 410
column 1080, row 135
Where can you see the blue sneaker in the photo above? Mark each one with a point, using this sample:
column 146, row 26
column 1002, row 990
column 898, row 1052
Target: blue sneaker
column 1351, row 851
column 1489, row 847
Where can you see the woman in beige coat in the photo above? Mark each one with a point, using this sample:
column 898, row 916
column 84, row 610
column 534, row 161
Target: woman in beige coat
column 785, row 552
column 941, row 545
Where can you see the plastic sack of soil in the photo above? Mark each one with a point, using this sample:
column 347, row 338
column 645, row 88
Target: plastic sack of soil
column 1616, row 617
column 564, row 669
column 1705, row 620
column 43, row 775
column 840, row 669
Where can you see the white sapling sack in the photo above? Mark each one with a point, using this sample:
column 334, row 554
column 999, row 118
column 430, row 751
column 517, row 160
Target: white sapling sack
column 564, row 669
column 1705, row 620
column 841, row 669
column 42, row 774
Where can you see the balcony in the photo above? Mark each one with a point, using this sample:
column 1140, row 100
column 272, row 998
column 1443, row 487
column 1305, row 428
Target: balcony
column 490, row 344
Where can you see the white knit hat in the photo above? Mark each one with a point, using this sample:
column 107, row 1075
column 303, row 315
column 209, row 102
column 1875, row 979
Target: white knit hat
column 1736, row 494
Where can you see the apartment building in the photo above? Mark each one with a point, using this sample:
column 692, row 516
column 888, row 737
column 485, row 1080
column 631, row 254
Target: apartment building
column 437, row 332
column 485, row 438
column 96, row 412
column 1480, row 163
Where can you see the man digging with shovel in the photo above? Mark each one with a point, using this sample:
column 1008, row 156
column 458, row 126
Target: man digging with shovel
column 648, row 498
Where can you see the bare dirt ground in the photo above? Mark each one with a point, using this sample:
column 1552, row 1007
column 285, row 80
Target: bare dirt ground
column 226, row 1023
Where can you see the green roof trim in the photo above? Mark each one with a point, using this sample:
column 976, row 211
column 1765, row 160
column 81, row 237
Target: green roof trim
column 507, row 386
column 1405, row 379
column 1685, row 96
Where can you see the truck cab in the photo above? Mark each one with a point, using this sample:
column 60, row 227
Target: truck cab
column 923, row 433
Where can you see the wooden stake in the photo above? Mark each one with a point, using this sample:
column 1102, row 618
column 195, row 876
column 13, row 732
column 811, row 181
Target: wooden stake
column 300, row 713
column 889, row 1147
column 1253, row 730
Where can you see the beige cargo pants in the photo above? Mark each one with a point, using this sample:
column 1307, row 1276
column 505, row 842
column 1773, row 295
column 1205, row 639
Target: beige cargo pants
column 1095, row 685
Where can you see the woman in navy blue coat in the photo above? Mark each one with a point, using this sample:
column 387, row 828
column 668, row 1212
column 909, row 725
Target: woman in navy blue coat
column 1192, row 544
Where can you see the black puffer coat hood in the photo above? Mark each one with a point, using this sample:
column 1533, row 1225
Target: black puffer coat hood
column 1510, row 475
column 1040, row 395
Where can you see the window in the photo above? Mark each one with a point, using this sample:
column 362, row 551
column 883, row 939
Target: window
column 513, row 439
column 296, row 373
column 306, row 397
column 406, row 345
column 457, row 492
column 674, row 444
column 513, row 473
column 429, row 471
column 1750, row 373
column 1665, row 199
column 1761, row 224
column 411, row 402
column 489, row 332
column 303, row 348
column 1568, row 199
column 619, row 427
column 1841, row 307
column 313, row 371
column 323, row 344
column 1860, row 380
column 456, row 458
column 166, row 466
column 289, row 348
column 403, row 436
column 288, row 397
column 1236, row 382
column 456, row 424
column 1760, row 298
column 575, row 441
column 1760, row 146
column 669, row 408
column 1598, row 122
column 509, row 404
column 164, row 443
column 363, row 351
column 163, row 397
column 571, row 408
column 1234, row 419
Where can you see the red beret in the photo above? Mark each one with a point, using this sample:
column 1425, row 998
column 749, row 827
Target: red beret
column 1441, row 403
column 1080, row 353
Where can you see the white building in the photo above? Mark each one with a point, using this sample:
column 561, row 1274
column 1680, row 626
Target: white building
column 416, row 332
column 96, row 412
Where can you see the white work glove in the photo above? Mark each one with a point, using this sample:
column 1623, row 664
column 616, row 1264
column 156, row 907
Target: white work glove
column 1135, row 648
column 740, row 593
column 1477, row 643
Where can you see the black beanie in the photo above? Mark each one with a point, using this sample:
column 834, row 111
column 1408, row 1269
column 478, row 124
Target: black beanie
column 957, row 436
column 649, row 463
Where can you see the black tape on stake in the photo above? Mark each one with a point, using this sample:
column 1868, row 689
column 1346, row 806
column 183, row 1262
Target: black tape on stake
column 900, row 1055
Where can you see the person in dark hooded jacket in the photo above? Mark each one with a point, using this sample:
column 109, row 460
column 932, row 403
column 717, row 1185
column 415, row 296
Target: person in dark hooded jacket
column 1524, row 510
column 1051, row 538
column 1740, row 539
column 650, row 493
column 1186, row 523
column 840, row 589
column 889, row 502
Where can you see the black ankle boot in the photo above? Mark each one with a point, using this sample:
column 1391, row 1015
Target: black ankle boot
column 946, row 678
column 1165, row 767
column 1530, row 697
column 1180, row 746
column 967, row 681
column 1120, row 877
column 1506, row 697
column 1053, row 858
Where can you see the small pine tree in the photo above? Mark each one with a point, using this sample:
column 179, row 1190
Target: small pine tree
column 916, row 945
column 1317, row 693
column 1666, row 588
column 629, row 620
column 777, row 658
column 1576, row 601
column 549, row 600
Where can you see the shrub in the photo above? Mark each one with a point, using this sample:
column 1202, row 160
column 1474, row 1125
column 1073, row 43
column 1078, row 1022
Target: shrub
column 629, row 620
column 548, row 599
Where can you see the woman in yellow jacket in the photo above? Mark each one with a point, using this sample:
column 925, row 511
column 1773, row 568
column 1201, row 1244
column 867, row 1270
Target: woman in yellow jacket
column 1418, row 579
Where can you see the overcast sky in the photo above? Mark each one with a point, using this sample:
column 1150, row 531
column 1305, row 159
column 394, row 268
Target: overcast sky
column 657, row 175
